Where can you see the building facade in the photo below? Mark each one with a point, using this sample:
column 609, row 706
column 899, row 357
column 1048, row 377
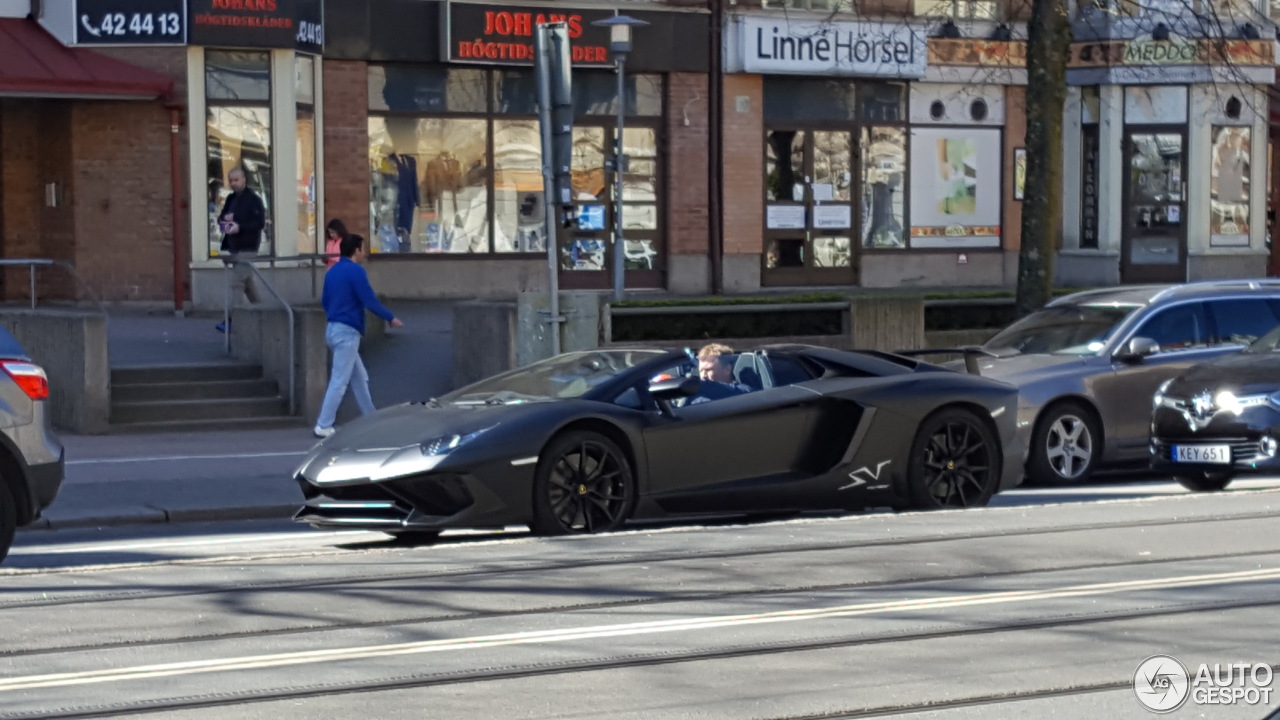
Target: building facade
column 881, row 149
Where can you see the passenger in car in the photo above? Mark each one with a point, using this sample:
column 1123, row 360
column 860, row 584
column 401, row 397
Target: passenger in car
column 715, row 367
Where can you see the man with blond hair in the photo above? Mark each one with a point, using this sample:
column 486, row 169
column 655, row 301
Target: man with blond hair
column 715, row 367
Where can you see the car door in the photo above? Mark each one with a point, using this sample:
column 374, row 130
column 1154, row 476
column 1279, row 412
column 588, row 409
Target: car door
column 722, row 455
column 1185, row 337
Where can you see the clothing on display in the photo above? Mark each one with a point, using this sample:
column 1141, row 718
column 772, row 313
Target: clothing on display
column 407, row 190
column 443, row 175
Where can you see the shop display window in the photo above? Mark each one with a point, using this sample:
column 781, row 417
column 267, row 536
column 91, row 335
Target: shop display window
column 238, row 130
column 456, row 164
column 304, row 91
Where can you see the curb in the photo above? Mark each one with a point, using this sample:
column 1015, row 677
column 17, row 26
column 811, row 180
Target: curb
column 161, row 516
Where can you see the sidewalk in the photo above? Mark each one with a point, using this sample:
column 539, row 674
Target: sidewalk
column 226, row 475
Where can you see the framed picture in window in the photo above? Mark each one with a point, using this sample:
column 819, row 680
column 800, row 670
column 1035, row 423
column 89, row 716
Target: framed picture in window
column 1019, row 173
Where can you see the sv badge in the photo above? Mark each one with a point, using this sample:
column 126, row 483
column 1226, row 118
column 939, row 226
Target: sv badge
column 864, row 475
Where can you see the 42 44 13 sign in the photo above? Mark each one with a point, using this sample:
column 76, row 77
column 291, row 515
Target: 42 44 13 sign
column 131, row 22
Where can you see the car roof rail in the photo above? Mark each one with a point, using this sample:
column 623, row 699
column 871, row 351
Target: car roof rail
column 1241, row 283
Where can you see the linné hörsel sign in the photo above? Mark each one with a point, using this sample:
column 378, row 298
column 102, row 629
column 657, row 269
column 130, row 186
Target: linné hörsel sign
column 779, row 45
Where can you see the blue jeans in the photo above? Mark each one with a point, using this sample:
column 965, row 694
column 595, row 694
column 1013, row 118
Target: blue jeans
column 348, row 369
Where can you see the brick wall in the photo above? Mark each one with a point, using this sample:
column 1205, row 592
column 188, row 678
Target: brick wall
column 19, row 167
column 123, row 188
column 687, row 164
column 743, row 165
column 57, row 224
column 346, row 144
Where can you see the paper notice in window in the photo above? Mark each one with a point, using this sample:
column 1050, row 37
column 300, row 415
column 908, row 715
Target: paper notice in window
column 822, row 192
column 832, row 217
column 785, row 217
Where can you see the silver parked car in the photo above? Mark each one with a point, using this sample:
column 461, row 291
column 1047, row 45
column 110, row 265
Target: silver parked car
column 1088, row 364
column 31, row 458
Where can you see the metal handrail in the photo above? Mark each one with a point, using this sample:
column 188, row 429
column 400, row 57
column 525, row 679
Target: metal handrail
column 726, row 308
column 293, row 335
column 33, row 263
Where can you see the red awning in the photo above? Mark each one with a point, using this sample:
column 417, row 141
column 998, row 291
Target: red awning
column 34, row 63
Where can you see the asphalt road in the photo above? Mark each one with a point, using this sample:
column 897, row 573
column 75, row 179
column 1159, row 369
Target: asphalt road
column 1043, row 606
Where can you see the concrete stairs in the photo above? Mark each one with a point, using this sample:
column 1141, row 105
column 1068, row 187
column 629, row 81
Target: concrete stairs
column 195, row 398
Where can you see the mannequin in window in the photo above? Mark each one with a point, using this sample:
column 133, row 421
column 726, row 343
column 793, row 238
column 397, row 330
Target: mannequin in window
column 443, row 175
column 402, row 164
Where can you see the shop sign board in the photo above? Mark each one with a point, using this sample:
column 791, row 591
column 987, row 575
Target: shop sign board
column 130, row 22
column 869, row 49
column 280, row 24
column 503, row 35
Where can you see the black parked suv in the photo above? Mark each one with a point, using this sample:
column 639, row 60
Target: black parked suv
column 1220, row 418
column 31, row 458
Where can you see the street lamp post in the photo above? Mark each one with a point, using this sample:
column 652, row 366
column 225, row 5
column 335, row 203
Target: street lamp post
column 620, row 44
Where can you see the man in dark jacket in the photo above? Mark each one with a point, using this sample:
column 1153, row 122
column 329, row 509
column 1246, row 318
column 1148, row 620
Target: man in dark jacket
column 242, row 220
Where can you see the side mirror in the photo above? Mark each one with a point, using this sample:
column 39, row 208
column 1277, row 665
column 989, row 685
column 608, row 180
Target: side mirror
column 1138, row 348
column 664, row 391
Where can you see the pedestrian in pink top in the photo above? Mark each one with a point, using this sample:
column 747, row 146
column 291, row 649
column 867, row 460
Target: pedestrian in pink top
column 333, row 235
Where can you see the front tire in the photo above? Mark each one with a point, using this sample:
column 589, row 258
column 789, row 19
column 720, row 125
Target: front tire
column 584, row 484
column 1066, row 446
column 955, row 462
column 1207, row 482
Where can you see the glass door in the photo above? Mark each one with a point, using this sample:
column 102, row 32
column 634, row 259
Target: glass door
column 809, row 208
column 586, row 249
column 1155, row 236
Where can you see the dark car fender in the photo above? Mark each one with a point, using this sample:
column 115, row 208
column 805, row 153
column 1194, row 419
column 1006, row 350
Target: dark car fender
column 896, row 407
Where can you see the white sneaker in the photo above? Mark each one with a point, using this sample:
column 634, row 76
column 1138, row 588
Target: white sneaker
column 322, row 432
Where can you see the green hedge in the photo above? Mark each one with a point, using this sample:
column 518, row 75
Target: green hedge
column 632, row 328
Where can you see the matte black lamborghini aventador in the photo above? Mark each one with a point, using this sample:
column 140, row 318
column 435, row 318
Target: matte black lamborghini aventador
column 584, row 441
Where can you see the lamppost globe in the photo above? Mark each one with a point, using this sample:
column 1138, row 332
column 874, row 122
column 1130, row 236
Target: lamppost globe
column 620, row 27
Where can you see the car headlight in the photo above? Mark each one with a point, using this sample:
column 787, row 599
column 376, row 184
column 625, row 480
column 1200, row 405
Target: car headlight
column 446, row 444
column 1228, row 401
column 1158, row 399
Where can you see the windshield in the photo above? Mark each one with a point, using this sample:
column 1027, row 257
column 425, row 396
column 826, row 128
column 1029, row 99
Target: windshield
column 1268, row 343
column 1062, row 330
column 564, row 376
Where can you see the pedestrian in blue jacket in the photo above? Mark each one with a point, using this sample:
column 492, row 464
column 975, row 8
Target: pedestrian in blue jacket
column 347, row 294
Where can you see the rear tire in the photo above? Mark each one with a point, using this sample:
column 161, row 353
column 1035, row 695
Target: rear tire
column 1207, row 482
column 584, row 484
column 8, row 518
column 1065, row 447
column 955, row 462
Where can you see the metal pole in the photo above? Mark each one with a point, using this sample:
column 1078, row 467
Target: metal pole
column 619, row 242
column 715, row 150
column 32, row 272
column 542, row 47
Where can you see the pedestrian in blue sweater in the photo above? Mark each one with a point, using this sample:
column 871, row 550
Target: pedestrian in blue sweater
column 347, row 294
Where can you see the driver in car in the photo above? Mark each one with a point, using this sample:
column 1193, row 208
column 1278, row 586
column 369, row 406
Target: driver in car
column 715, row 367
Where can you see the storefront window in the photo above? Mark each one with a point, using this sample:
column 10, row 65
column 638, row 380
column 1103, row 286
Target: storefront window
column 784, row 166
column 958, row 9
column 1090, row 152
column 835, row 164
column 1229, row 186
column 884, row 201
column 238, row 128
column 456, row 164
column 304, row 89
column 430, row 185
column 955, row 187
column 790, row 99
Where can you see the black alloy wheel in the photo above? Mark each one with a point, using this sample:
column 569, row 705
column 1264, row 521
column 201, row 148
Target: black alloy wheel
column 583, row 485
column 1205, row 482
column 8, row 518
column 955, row 461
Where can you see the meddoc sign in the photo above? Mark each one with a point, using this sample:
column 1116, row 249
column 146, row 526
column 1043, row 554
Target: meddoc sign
column 771, row 45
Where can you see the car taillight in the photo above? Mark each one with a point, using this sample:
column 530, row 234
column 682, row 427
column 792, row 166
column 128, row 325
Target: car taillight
column 29, row 376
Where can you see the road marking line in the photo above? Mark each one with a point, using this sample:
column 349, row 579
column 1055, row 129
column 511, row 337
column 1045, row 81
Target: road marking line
column 181, row 458
column 253, row 662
